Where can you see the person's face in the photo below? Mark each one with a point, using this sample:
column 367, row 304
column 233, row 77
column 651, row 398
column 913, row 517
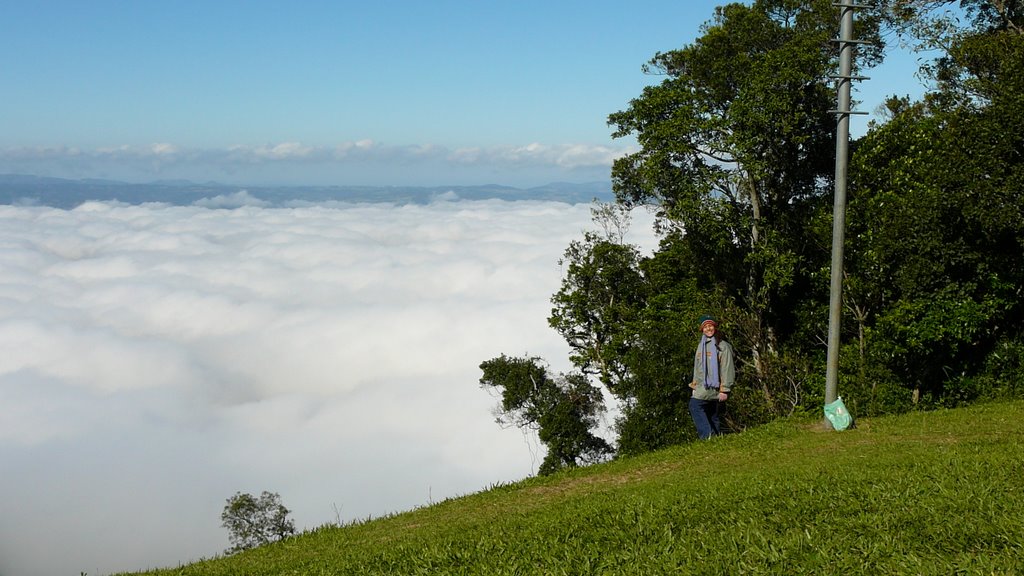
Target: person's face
column 709, row 329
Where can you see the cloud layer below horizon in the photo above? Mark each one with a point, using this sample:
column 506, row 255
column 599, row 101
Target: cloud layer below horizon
column 157, row 359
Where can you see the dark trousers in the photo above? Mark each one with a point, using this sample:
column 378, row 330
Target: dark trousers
column 705, row 417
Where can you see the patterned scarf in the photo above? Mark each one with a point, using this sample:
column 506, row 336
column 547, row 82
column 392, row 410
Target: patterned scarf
column 708, row 352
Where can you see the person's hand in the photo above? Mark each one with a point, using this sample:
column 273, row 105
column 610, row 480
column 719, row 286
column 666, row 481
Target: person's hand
column 722, row 396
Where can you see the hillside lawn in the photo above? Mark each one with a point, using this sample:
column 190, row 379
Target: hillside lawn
column 923, row 493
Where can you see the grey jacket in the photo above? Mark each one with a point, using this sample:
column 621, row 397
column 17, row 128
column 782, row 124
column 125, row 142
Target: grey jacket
column 726, row 373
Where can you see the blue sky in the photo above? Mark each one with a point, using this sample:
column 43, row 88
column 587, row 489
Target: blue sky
column 398, row 93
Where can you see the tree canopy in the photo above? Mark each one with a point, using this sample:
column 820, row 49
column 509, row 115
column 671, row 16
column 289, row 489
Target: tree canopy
column 562, row 409
column 737, row 156
column 254, row 521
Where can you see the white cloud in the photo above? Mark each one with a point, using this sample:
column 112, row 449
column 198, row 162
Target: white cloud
column 566, row 156
column 581, row 155
column 160, row 358
column 354, row 149
column 283, row 151
column 235, row 200
column 162, row 148
column 343, row 163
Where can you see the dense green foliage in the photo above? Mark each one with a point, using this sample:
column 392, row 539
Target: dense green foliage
column 925, row 493
column 937, row 223
column 737, row 158
column 562, row 409
column 253, row 521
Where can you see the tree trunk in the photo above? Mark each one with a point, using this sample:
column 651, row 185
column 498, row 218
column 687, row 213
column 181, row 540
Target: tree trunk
column 761, row 343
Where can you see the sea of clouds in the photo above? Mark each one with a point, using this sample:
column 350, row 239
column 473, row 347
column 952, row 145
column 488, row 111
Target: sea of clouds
column 157, row 359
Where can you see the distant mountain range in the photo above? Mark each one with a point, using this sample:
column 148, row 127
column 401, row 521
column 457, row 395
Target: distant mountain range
column 64, row 193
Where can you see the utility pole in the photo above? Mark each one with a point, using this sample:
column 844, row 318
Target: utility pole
column 842, row 112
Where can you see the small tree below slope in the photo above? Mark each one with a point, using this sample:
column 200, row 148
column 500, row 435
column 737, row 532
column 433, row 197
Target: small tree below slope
column 253, row 522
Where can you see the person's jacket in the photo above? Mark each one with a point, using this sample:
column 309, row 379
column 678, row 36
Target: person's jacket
column 726, row 373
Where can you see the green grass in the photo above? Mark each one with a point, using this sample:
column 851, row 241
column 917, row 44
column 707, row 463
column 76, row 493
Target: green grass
column 925, row 493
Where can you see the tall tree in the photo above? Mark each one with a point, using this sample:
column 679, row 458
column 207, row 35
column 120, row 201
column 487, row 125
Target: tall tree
column 628, row 319
column 601, row 293
column 737, row 152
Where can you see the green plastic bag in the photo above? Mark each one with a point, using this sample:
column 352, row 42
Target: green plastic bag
column 838, row 415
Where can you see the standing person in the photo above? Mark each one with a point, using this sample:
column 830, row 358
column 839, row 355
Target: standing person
column 713, row 376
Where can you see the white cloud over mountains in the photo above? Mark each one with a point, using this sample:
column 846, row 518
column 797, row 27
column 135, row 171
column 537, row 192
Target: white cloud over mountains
column 344, row 163
column 158, row 359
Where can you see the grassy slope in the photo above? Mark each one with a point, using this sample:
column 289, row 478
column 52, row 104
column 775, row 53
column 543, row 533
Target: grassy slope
column 925, row 493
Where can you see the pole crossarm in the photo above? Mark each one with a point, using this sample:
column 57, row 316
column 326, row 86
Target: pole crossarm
column 843, row 111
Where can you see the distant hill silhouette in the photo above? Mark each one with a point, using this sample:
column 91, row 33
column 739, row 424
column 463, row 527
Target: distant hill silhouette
column 18, row 189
